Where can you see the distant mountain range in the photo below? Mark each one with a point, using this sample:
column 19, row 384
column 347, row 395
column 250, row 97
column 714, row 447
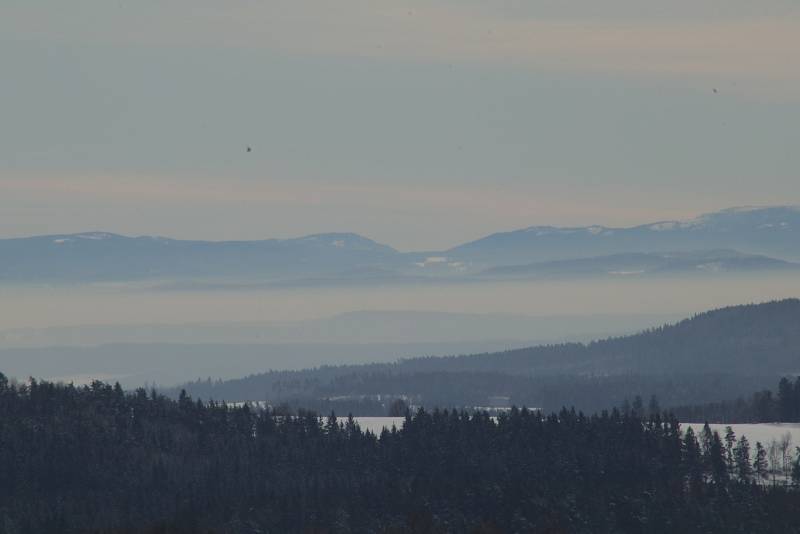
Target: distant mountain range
column 757, row 233
column 772, row 231
column 101, row 256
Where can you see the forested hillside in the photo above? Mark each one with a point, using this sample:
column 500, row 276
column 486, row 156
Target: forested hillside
column 764, row 406
column 757, row 338
column 713, row 356
column 95, row 459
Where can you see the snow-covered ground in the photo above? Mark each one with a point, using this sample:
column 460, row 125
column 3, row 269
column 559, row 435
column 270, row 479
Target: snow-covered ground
column 763, row 432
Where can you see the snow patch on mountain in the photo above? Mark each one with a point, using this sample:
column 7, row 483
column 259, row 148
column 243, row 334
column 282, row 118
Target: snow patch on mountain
column 664, row 226
column 95, row 236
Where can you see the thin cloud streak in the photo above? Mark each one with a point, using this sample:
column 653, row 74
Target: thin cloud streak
column 747, row 48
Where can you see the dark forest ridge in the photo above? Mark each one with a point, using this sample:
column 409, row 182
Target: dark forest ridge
column 98, row 256
column 715, row 355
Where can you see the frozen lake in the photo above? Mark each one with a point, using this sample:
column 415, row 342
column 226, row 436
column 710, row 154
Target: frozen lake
column 763, row 432
column 377, row 424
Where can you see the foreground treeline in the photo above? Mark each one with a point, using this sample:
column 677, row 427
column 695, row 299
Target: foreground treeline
column 97, row 459
column 762, row 407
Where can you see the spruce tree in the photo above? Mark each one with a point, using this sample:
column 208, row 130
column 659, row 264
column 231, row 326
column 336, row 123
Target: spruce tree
column 716, row 460
column 693, row 461
column 760, row 466
column 742, row 458
column 730, row 443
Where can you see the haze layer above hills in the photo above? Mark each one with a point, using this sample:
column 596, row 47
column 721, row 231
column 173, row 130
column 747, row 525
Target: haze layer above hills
column 171, row 354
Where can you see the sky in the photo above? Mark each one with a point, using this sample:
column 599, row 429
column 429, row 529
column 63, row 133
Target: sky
column 419, row 124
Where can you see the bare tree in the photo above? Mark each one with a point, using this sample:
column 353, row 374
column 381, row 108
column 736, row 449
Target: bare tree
column 760, row 466
column 774, row 455
column 785, row 445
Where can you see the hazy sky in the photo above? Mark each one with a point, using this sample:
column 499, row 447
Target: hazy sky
column 419, row 124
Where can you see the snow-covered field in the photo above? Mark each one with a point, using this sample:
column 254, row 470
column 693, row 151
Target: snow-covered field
column 763, row 432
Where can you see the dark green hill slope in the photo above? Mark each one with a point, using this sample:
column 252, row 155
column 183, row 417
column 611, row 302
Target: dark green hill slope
column 712, row 356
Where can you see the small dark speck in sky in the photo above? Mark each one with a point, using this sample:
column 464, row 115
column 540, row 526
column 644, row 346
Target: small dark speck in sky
column 249, row 149
column 715, row 90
